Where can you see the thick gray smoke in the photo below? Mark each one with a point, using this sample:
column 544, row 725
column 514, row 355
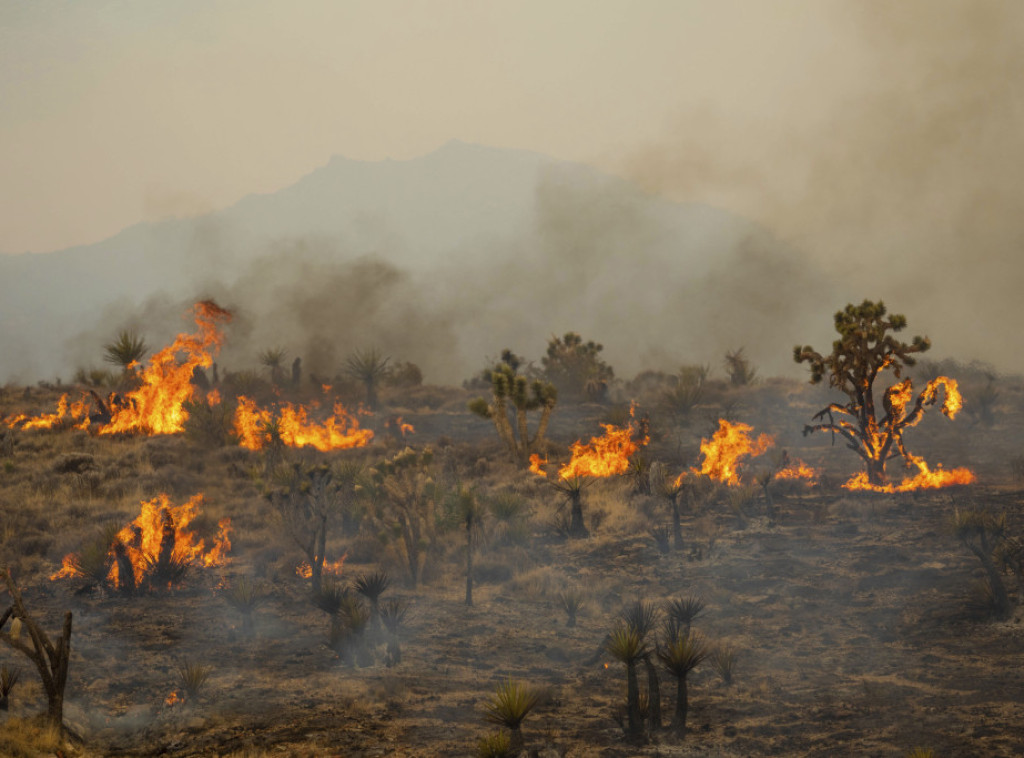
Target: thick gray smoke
column 897, row 167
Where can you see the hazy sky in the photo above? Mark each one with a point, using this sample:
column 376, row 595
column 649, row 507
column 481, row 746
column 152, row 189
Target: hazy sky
column 113, row 112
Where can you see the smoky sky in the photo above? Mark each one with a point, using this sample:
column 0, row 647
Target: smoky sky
column 898, row 171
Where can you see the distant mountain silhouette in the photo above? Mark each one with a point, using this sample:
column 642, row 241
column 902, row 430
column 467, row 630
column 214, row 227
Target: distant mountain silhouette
column 451, row 256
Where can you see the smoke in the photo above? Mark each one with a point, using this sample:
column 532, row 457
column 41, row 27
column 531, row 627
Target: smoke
column 896, row 166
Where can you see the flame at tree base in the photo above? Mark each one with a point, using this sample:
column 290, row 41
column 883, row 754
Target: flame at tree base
column 925, row 479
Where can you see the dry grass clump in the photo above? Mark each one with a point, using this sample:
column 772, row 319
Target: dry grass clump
column 30, row 738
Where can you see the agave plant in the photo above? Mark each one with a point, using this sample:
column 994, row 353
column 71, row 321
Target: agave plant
column 508, row 706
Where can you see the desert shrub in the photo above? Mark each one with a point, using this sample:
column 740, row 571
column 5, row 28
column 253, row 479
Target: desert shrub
column 723, row 659
column 497, row 745
column 572, row 601
column 983, row 533
column 209, row 425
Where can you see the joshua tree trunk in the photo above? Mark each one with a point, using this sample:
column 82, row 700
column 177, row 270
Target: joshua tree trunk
column 682, row 706
column 634, row 722
column 51, row 661
column 469, row 562
column 576, row 526
column 653, row 695
column 876, row 471
column 677, row 529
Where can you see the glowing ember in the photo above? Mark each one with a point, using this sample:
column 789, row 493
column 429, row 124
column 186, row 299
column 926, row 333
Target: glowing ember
column 156, row 542
column 256, row 427
column 173, row 699
column 723, row 452
column 157, row 407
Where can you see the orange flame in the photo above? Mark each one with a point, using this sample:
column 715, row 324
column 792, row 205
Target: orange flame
column 143, row 539
column 535, row 465
column 331, row 568
column 77, row 411
column 925, row 479
column 173, row 699
column 255, row 427
column 603, row 456
column 722, row 453
column 798, row 470
column 157, row 407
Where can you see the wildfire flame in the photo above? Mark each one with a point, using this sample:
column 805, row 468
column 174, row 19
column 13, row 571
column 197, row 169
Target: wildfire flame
column 331, row 568
column 159, row 533
column 257, row 426
column 925, row 479
column 157, row 407
column 603, row 456
column 535, row 465
column 77, row 411
column 723, row 454
column 727, row 446
column 173, row 699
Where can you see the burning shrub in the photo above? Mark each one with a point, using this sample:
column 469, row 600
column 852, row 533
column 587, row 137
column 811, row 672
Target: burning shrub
column 154, row 551
column 865, row 349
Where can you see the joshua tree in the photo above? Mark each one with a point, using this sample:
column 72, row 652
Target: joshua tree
column 866, row 348
column 679, row 656
column 370, row 368
column 126, row 349
column 467, row 507
column 50, row 660
column 510, row 704
column 682, row 612
column 406, row 503
column 574, row 367
column 309, row 499
column 273, row 359
column 509, row 388
column 667, row 488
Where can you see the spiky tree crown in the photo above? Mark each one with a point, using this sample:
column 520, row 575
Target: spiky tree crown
column 865, row 348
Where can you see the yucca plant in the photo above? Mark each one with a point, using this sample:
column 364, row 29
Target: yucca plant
column 681, row 614
column 370, row 368
column 626, row 644
column 192, row 677
column 508, row 706
column 680, row 656
column 497, row 745
column 372, row 586
column 347, row 636
column 572, row 601
column 8, row 678
column 245, row 596
column 573, row 489
column 126, row 349
column 392, row 613
column 640, row 615
column 509, row 511
column 273, row 359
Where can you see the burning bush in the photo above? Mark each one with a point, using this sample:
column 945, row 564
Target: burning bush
column 153, row 551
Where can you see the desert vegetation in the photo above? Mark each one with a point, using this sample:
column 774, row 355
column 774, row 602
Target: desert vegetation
column 549, row 559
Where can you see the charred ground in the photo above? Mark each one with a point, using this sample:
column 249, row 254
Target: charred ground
column 854, row 617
